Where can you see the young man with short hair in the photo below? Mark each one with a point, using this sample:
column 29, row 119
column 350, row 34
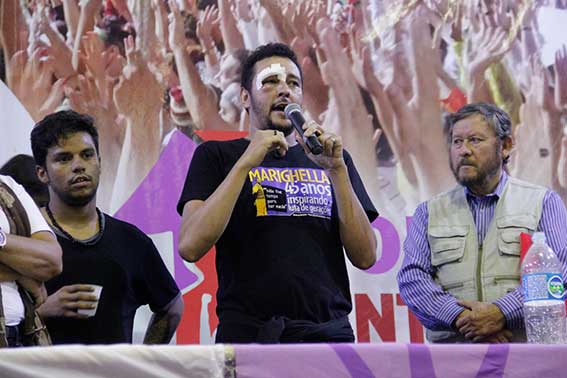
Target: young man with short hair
column 97, row 248
column 279, row 217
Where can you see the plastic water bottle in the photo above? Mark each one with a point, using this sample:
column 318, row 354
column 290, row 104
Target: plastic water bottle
column 542, row 283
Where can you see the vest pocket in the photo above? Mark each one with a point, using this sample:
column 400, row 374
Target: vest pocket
column 503, row 284
column 453, row 286
column 447, row 244
column 509, row 229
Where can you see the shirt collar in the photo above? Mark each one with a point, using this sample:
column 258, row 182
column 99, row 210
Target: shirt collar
column 497, row 192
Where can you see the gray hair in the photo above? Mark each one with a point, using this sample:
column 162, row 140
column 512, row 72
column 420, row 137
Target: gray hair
column 495, row 117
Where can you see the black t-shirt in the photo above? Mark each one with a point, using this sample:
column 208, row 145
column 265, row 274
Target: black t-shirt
column 281, row 253
column 128, row 266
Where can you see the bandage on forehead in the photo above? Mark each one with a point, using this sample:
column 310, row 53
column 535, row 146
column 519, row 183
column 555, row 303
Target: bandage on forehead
column 275, row 69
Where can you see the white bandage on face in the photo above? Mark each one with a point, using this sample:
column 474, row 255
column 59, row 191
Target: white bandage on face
column 273, row 70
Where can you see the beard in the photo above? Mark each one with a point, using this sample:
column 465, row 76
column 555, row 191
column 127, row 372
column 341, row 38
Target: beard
column 74, row 200
column 266, row 119
column 286, row 130
column 484, row 173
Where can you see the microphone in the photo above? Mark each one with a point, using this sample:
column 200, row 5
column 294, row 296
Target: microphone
column 293, row 113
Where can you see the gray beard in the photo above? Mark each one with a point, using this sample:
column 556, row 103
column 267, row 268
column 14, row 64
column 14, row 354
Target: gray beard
column 482, row 178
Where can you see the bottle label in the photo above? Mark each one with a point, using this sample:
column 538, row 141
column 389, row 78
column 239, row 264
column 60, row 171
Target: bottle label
column 542, row 286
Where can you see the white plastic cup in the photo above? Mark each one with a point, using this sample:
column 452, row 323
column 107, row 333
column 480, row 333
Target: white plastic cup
column 91, row 311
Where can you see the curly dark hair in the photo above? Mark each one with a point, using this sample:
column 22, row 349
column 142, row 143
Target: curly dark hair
column 59, row 126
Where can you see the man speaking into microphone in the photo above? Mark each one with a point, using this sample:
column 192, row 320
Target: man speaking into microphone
column 279, row 216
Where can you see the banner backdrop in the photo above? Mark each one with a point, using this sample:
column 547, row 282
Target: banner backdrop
column 382, row 74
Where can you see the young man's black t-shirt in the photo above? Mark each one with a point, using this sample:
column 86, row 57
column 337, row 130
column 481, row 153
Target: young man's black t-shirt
column 128, row 266
column 281, row 253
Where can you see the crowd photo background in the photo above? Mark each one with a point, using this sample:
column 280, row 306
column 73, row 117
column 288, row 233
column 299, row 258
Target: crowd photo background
column 159, row 77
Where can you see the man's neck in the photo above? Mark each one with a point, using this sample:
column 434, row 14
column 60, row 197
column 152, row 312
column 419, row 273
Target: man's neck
column 77, row 222
column 290, row 139
column 488, row 186
column 73, row 215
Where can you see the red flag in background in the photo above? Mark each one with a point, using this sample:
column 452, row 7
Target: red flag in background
column 456, row 100
column 220, row 134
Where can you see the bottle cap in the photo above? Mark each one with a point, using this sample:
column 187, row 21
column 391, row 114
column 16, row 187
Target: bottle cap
column 538, row 237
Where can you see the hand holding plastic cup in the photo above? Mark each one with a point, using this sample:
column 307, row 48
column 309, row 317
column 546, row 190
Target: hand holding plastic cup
column 92, row 311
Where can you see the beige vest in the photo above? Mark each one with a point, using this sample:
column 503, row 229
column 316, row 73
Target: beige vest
column 481, row 272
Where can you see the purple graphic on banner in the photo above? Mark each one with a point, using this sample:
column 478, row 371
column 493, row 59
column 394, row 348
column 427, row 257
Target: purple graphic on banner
column 352, row 361
column 291, row 191
column 395, row 360
column 390, row 244
column 494, row 361
column 421, row 364
column 152, row 207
